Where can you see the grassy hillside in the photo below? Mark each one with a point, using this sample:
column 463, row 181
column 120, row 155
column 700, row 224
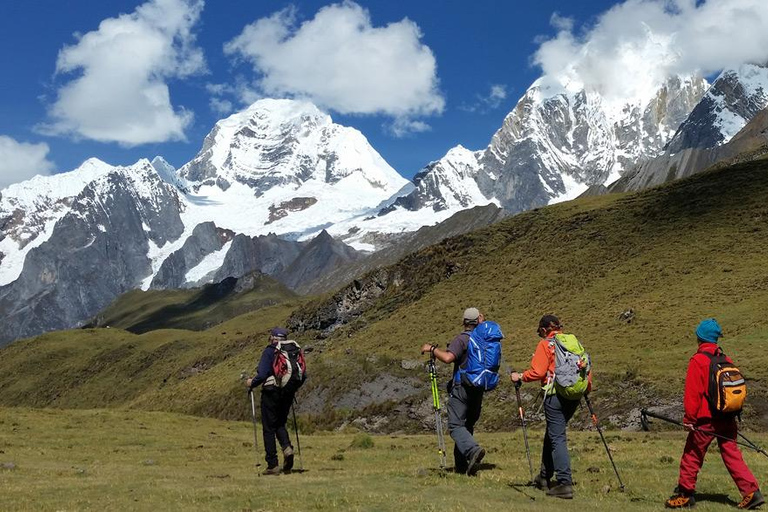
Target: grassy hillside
column 194, row 309
column 128, row 460
column 673, row 255
column 172, row 370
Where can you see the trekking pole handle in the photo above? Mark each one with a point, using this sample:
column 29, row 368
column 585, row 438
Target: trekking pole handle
column 646, row 412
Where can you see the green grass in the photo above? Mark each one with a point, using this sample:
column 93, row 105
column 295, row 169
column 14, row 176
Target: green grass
column 675, row 255
column 193, row 309
column 132, row 460
column 170, row 370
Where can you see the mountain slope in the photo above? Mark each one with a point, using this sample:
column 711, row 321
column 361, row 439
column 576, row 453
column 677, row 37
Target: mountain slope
column 672, row 255
column 195, row 309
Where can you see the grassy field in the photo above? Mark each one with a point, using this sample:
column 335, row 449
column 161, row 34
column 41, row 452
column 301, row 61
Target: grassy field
column 127, row 460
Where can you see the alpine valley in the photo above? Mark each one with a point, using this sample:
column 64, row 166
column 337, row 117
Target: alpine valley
column 279, row 189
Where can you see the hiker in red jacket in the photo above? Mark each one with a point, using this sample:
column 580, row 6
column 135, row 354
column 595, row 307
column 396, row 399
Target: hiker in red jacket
column 699, row 420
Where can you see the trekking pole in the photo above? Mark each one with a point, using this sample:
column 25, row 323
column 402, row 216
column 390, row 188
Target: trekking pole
column 438, row 412
column 644, row 413
column 600, row 431
column 522, row 422
column 296, row 430
column 255, row 428
column 756, row 447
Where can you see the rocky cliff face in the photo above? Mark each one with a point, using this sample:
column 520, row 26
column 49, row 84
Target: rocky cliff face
column 96, row 251
column 735, row 97
column 554, row 144
column 726, row 125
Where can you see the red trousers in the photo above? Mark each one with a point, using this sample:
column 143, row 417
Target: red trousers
column 696, row 447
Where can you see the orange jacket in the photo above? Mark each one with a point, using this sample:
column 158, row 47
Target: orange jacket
column 543, row 363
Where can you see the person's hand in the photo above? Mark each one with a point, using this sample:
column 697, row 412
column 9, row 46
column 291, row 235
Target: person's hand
column 688, row 427
column 515, row 377
column 248, row 382
column 426, row 348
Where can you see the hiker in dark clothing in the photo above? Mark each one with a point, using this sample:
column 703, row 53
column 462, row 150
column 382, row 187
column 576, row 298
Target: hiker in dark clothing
column 275, row 406
column 555, row 460
column 700, row 421
column 465, row 401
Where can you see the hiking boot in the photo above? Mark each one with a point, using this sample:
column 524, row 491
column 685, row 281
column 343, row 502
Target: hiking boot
column 541, row 483
column 563, row 491
column 288, row 459
column 274, row 470
column 474, row 461
column 752, row 500
column 681, row 499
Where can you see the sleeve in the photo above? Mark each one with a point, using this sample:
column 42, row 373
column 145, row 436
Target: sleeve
column 264, row 370
column 458, row 345
column 539, row 364
column 695, row 388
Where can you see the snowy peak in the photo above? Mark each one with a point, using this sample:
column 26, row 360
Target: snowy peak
column 732, row 101
column 446, row 184
column 277, row 143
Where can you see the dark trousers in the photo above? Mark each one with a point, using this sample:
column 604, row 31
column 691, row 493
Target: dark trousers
column 464, row 407
column 555, row 460
column 275, row 407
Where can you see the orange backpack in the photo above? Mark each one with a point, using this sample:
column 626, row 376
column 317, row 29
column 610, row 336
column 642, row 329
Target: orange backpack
column 727, row 387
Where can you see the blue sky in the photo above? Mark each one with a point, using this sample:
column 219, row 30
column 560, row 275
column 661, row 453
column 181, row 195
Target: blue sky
column 451, row 70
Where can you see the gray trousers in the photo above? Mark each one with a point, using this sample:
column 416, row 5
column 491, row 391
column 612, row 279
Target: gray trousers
column 554, row 455
column 464, row 407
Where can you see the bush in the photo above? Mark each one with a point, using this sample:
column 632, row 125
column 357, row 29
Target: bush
column 363, row 441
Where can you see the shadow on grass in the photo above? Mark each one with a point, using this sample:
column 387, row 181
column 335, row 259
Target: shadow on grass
column 715, row 498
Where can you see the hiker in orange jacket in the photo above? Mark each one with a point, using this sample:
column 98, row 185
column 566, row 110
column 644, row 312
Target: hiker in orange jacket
column 558, row 411
column 699, row 420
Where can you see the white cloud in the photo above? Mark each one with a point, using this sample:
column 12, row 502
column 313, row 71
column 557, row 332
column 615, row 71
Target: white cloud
column 636, row 45
column 490, row 101
column 341, row 62
column 20, row 161
column 120, row 93
column 402, row 127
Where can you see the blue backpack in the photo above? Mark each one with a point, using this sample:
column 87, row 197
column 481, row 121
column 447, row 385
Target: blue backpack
column 483, row 357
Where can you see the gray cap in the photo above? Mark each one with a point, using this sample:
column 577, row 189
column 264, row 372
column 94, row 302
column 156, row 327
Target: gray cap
column 471, row 314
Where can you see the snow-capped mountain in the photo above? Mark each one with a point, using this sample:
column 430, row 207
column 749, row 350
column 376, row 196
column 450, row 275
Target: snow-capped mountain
column 708, row 136
column 735, row 97
column 559, row 140
column 277, row 187
column 70, row 243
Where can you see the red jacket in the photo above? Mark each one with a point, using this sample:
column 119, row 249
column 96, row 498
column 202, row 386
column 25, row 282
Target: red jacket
column 697, row 385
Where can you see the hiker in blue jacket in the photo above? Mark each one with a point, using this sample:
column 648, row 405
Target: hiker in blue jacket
column 465, row 401
column 275, row 406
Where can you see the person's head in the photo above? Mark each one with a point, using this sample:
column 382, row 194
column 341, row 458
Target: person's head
column 548, row 324
column 472, row 318
column 278, row 334
column 709, row 331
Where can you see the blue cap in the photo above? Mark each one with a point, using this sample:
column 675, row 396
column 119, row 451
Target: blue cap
column 709, row 330
column 279, row 332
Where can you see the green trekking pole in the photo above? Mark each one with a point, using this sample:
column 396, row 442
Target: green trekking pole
column 438, row 411
column 600, row 431
column 522, row 422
